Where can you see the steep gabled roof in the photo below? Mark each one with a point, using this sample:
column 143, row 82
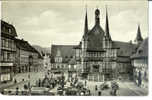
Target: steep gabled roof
column 142, row 51
column 95, row 38
column 24, row 45
column 67, row 52
column 9, row 26
column 125, row 48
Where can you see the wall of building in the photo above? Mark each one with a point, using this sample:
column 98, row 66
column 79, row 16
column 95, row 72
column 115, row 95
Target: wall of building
column 23, row 60
column 141, row 65
column 46, row 62
column 8, row 50
column 60, row 67
column 107, row 62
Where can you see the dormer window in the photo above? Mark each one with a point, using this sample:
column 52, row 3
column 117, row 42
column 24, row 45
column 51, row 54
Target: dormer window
column 140, row 51
column 9, row 30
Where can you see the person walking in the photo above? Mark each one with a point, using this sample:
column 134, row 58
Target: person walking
column 99, row 93
column 96, row 87
column 17, row 92
column 139, row 79
column 85, row 83
column 15, row 81
column 115, row 87
column 89, row 92
column 39, row 82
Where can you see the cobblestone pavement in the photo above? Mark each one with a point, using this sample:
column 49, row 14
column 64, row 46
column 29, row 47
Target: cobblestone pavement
column 126, row 88
column 130, row 89
column 20, row 83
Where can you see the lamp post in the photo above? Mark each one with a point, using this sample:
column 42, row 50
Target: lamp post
column 30, row 64
column 75, row 69
column 69, row 67
column 62, row 81
column 29, row 85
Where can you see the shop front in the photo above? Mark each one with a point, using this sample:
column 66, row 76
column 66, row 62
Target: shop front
column 6, row 72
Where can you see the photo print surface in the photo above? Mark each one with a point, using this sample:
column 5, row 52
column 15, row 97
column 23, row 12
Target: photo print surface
column 74, row 47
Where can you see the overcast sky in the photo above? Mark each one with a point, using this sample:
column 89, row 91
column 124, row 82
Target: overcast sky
column 44, row 23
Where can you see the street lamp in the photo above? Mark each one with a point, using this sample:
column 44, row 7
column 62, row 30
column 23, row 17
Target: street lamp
column 29, row 85
column 69, row 67
column 30, row 62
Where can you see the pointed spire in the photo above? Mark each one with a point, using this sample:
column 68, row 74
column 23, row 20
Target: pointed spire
column 139, row 37
column 86, row 23
column 107, row 34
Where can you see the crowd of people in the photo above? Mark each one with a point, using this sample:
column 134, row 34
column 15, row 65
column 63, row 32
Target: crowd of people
column 72, row 85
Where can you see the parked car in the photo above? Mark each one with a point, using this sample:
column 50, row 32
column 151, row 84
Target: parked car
column 51, row 93
column 79, row 85
column 71, row 91
column 104, row 86
column 13, row 92
column 85, row 92
column 66, row 87
column 60, row 92
column 88, row 93
column 9, row 91
column 40, row 91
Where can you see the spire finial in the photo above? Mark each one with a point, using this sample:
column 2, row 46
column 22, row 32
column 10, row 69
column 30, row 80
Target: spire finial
column 107, row 33
column 138, row 37
column 86, row 23
column 97, row 16
column 86, row 6
column 97, row 7
column 138, row 23
column 106, row 10
column 138, row 30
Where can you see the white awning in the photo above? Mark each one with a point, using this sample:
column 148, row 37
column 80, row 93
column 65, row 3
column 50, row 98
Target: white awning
column 6, row 64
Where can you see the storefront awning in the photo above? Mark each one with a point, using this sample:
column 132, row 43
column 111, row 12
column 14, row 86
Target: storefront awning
column 6, row 64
